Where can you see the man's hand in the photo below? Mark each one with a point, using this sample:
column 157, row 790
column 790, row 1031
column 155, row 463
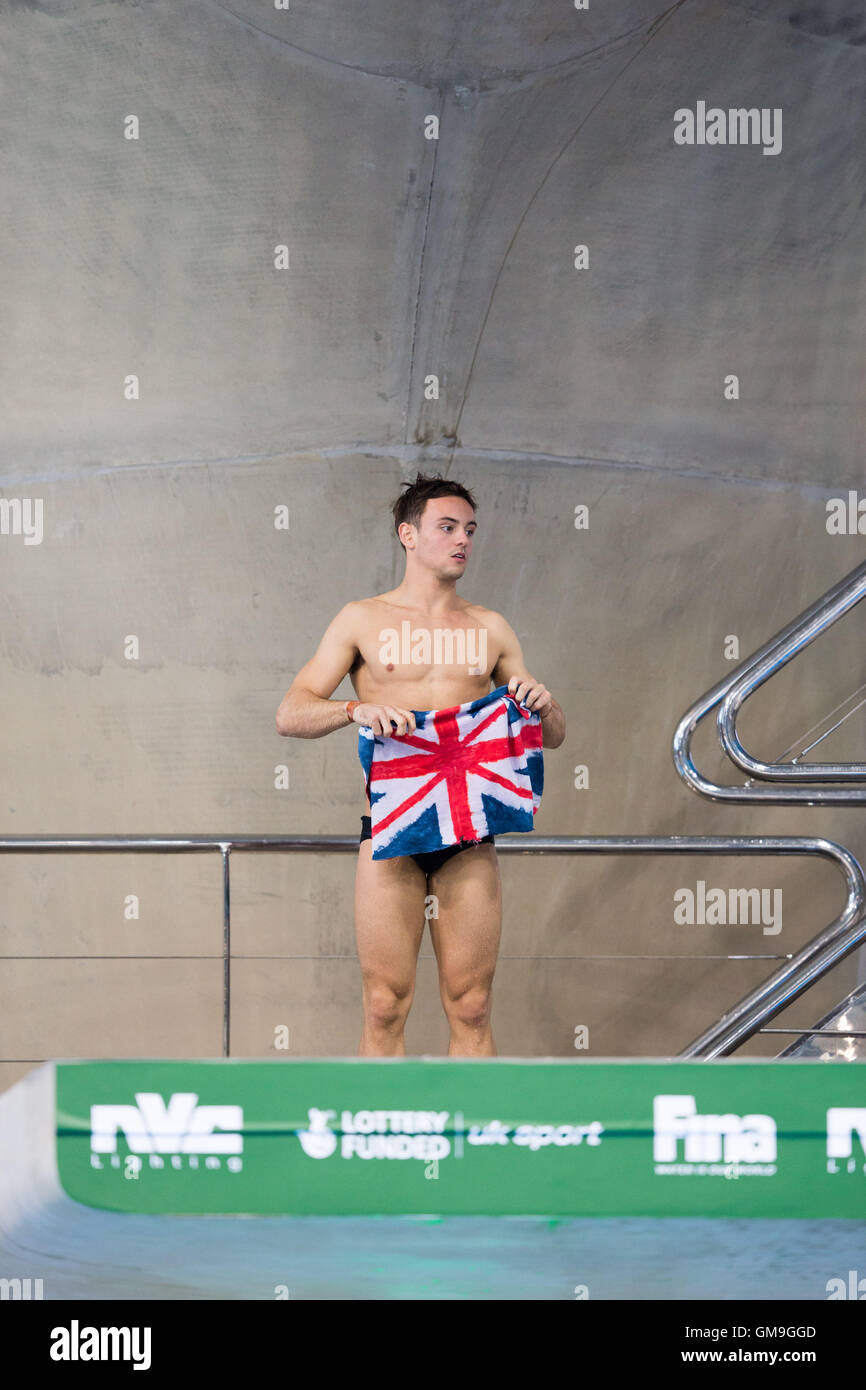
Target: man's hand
column 379, row 718
column 532, row 694
column 537, row 698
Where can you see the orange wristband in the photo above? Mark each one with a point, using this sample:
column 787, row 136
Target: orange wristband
column 351, row 706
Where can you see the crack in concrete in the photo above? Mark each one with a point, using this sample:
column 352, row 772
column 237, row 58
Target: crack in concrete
column 492, row 85
column 417, row 454
column 418, row 288
column 306, row 52
column 655, row 27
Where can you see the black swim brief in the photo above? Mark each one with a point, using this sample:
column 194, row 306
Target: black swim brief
column 427, row 862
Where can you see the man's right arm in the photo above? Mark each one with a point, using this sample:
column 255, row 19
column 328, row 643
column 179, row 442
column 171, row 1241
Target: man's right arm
column 306, row 710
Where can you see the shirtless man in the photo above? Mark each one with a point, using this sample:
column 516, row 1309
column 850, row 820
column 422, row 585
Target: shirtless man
column 435, row 523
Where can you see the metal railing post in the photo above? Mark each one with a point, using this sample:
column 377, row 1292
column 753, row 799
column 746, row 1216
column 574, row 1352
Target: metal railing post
column 225, row 852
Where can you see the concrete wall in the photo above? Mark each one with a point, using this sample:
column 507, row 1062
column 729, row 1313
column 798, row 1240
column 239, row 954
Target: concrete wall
column 259, row 387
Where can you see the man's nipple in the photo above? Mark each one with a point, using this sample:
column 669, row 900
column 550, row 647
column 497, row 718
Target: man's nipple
column 390, row 666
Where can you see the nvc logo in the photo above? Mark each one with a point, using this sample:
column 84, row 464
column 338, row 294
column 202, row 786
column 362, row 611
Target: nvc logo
column 843, row 1122
column 182, row 1127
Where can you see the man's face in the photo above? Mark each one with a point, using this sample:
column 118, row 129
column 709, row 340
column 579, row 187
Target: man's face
column 446, row 531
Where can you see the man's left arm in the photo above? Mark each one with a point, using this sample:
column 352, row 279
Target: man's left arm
column 510, row 670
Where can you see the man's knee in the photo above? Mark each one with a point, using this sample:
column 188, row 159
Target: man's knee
column 386, row 1006
column 471, row 1007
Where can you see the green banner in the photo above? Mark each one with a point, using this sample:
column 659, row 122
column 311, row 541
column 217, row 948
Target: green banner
column 453, row 1137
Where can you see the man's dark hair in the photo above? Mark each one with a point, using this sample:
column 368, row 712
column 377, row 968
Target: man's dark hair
column 410, row 505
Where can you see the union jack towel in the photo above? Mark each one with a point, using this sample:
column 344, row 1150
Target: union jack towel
column 468, row 771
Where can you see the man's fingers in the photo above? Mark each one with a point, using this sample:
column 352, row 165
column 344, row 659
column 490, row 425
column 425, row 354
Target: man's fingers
column 397, row 718
column 403, row 718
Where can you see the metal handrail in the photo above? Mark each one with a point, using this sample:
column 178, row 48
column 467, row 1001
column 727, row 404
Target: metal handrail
column 843, row 934
column 730, row 694
column 834, row 604
column 855, row 999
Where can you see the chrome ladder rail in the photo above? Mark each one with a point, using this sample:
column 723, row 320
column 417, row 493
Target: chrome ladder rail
column 730, row 693
column 825, row 950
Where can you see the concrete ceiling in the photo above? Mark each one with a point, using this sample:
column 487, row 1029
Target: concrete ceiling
column 451, row 257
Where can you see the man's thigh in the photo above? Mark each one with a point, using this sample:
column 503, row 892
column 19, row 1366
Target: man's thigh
column 389, row 917
column 466, row 932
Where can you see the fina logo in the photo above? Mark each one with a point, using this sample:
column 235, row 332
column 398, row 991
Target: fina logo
column 842, row 1123
column 713, row 1145
column 181, row 1127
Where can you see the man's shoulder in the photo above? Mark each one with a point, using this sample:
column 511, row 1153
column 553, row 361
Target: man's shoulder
column 363, row 607
column 357, row 615
column 488, row 616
